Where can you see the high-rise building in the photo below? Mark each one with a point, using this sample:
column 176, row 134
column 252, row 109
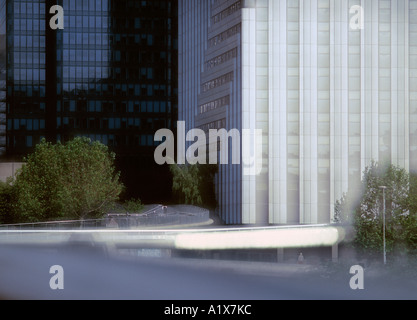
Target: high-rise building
column 110, row 74
column 2, row 77
column 331, row 84
column 2, row 94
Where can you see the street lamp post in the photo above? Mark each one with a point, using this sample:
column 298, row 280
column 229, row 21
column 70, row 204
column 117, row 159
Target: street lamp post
column 383, row 222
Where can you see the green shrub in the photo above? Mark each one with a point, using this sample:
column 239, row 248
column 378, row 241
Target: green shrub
column 133, row 206
column 76, row 180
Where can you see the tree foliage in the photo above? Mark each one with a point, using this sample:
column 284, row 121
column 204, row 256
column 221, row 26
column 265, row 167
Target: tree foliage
column 133, row 206
column 76, row 180
column 185, row 184
column 7, row 196
column 193, row 184
column 364, row 209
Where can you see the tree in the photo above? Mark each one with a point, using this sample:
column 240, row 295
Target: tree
column 133, row 206
column 409, row 222
column 7, row 196
column 185, row 184
column 364, row 209
column 193, row 184
column 76, row 180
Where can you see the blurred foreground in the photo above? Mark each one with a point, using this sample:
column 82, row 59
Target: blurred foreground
column 92, row 272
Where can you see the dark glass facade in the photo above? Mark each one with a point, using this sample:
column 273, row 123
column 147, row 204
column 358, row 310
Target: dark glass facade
column 2, row 93
column 2, row 77
column 110, row 74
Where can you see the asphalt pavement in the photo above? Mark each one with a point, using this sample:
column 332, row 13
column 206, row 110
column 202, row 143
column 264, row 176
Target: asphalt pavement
column 88, row 273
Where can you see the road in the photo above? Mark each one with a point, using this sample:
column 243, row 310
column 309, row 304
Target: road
column 91, row 274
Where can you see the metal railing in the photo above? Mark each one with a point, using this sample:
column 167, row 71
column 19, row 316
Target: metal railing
column 56, row 225
column 155, row 216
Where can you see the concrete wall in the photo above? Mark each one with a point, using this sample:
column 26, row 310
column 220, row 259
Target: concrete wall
column 8, row 169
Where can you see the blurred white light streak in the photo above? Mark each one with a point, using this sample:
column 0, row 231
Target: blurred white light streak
column 259, row 239
column 191, row 239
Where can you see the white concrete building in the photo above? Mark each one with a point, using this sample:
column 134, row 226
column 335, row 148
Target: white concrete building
column 331, row 83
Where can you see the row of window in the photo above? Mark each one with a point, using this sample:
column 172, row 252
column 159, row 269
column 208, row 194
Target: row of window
column 102, row 57
column 34, row 75
column 82, row 6
column 31, row 33
column 86, row 5
column 83, row 106
column 209, row 85
column 26, row 124
column 79, row 74
column 72, row 24
column 29, row 7
column 218, row 124
column 33, row 25
column 73, row 75
column 88, row 21
column 110, row 123
column 22, row 141
column 29, row 42
column 227, row 12
column 93, row 39
column 110, row 140
column 99, row 57
column 34, row 58
column 124, row 141
column 221, row 59
column 89, row 123
column 26, row 91
column 216, row 40
column 118, row 107
column 212, row 105
column 120, row 90
column 143, row 90
column 100, row 23
column 103, row 5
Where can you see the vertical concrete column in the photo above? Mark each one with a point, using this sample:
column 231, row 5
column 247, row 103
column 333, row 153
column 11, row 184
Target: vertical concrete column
column 249, row 38
column 308, row 111
column 277, row 108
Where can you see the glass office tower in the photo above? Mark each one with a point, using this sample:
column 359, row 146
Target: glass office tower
column 110, row 75
column 2, row 94
column 2, row 77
